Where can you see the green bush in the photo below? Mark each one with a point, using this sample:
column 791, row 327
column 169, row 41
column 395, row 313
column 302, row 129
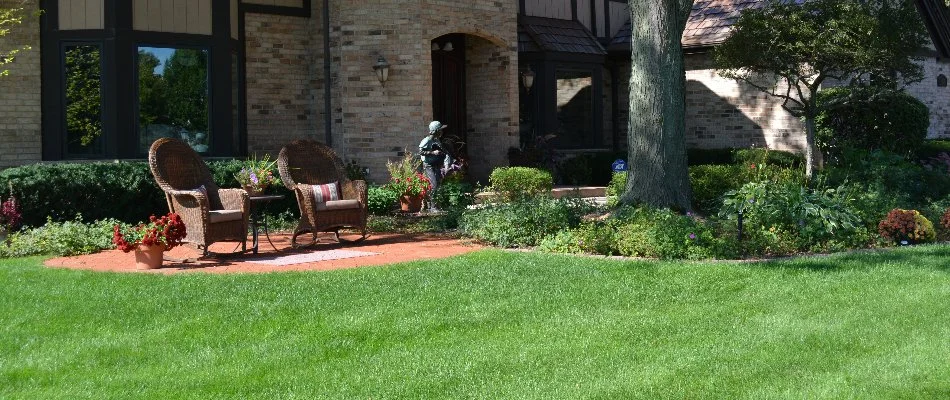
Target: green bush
column 711, row 182
column 67, row 238
column 522, row 223
column 895, row 122
column 781, row 159
column 814, row 218
column 381, row 200
column 593, row 237
column 616, row 187
column 932, row 148
column 122, row 190
column 518, row 183
column 661, row 233
column 709, row 156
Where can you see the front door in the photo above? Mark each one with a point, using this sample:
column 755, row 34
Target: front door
column 448, row 90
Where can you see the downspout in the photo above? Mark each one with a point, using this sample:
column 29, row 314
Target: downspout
column 327, row 107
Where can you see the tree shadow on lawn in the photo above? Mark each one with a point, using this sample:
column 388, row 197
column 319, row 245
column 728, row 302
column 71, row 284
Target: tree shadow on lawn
column 932, row 256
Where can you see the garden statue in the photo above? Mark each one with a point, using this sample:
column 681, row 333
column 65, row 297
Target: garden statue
column 434, row 159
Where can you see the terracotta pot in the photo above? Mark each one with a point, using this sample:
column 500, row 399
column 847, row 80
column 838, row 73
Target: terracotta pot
column 251, row 191
column 409, row 203
column 148, row 257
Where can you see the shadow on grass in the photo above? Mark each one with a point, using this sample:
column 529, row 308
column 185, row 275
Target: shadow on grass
column 934, row 256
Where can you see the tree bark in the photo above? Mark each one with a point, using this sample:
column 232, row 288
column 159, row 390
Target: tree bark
column 656, row 135
column 812, row 155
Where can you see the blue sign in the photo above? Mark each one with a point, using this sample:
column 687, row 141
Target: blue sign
column 619, row 166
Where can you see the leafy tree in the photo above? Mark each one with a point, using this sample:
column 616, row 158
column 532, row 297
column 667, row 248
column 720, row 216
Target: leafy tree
column 152, row 91
column 657, row 125
column 8, row 18
column 83, row 95
column 789, row 49
column 186, row 74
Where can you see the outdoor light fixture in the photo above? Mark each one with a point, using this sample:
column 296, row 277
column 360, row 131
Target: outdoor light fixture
column 435, row 46
column 382, row 69
column 448, row 47
column 527, row 78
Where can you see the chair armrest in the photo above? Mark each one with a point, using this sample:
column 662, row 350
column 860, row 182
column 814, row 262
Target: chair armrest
column 235, row 199
column 189, row 199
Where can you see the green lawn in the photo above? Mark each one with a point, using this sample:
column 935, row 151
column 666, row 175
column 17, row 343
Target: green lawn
column 487, row 325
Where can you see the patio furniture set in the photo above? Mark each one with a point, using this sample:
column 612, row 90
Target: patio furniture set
column 328, row 201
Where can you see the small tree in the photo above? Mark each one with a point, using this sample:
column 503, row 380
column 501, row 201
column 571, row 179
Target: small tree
column 789, row 49
column 8, row 18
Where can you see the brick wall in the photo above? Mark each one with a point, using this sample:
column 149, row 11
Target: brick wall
column 492, row 128
column 20, row 112
column 373, row 122
column 284, row 80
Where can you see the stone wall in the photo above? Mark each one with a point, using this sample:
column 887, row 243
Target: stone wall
column 20, row 96
column 284, row 69
column 936, row 98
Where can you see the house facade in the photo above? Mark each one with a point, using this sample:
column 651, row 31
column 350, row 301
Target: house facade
column 105, row 78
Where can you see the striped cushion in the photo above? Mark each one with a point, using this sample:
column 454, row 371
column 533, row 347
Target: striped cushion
column 325, row 193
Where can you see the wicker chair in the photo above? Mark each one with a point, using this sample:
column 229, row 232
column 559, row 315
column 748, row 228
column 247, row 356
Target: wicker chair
column 210, row 215
column 304, row 163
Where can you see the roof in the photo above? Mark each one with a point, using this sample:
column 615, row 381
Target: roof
column 556, row 35
column 936, row 17
column 708, row 25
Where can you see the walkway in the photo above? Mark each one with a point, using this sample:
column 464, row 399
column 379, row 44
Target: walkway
column 385, row 248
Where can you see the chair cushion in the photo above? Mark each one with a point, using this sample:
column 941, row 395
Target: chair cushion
column 215, row 216
column 338, row 205
column 325, row 193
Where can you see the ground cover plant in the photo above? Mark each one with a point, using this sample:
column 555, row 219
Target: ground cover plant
column 491, row 324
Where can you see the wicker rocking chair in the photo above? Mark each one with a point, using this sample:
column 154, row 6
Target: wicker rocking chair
column 211, row 214
column 304, row 164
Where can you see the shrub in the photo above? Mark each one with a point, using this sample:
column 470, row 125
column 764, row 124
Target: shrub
column 592, row 237
column 61, row 239
column 121, row 190
column 812, row 216
column 522, row 223
column 518, row 183
column 761, row 156
column 945, row 223
column 381, row 200
column 907, row 226
column 933, row 148
column 618, row 183
column 895, row 122
column 711, row 182
column 709, row 156
column 454, row 195
column 646, row 232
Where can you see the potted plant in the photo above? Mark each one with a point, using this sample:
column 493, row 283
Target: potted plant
column 257, row 175
column 406, row 181
column 150, row 240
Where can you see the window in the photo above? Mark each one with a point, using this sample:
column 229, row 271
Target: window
column 82, row 99
column 173, row 93
column 575, row 109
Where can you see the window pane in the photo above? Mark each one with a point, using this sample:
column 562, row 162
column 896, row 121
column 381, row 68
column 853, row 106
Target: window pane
column 173, row 96
column 83, row 100
column 575, row 113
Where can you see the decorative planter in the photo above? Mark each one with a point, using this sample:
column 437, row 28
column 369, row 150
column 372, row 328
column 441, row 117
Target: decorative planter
column 148, row 257
column 409, row 203
column 252, row 191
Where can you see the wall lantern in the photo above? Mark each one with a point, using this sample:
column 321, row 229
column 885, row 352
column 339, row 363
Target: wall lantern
column 527, row 78
column 448, row 47
column 382, row 69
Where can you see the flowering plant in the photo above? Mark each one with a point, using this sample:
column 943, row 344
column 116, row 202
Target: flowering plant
column 168, row 231
column 906, row 226
column 10, row 214
column 405, row 177
column 414, row 185
column 257, row 175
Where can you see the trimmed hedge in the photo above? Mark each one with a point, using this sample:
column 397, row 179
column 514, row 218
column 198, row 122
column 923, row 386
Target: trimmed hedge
column 122, row 190
column 515, row 183
column 895, row 122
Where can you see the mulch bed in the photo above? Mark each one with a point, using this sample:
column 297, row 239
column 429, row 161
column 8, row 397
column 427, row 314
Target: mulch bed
column 389, row 248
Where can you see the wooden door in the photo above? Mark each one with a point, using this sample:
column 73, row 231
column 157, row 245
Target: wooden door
column 448, row 90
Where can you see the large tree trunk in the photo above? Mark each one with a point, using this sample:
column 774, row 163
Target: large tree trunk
column 657, row 126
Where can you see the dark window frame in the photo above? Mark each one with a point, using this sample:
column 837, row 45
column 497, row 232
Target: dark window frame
column 63, row 45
